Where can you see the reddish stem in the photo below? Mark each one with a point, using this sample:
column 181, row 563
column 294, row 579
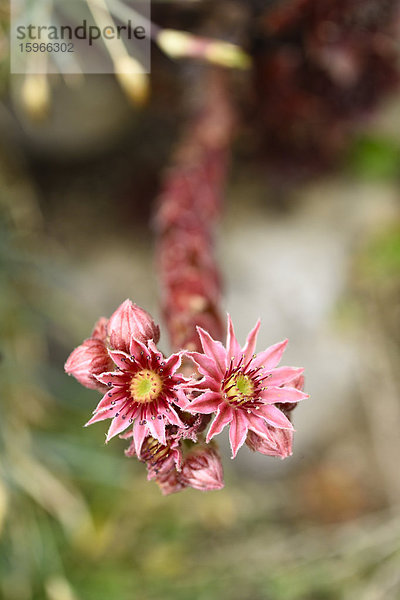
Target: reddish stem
column 188, row 210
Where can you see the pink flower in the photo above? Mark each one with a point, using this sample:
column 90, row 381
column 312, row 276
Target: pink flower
column 202, row 470
column 142, row 391
column 130, row 321
column 279, row 443
column 241, row 387
column 90, row 358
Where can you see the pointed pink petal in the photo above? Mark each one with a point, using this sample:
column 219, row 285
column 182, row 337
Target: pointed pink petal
column 260, row 427
column 173, row 363
column 154, row 349
column 139, row 434
column 274, row 416
column 111, row 399
column 200, row 384
column 139, row 350
column 271, row 356
column 223, row 417
column 171, row 416
column 181, row 399
column 233, row 349
column 113, row 378
column 157, row 429
column 121, row 359
column 248, row 349
column 118, row 425
column 214, row 350
column 204, row 384
column 206, row 366
column 237, row 431
column 282, row 394
column 205, row 404
column 102, row 415
column 135, row 348
column 283, row 375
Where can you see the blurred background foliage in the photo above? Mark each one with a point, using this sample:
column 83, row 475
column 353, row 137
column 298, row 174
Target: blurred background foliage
column 79, row 521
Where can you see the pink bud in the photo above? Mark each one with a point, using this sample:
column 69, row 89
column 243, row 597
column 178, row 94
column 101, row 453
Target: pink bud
column 89, row 359
column 279, row 444
column 202, row 470
column 130, row 321
column 170, row 482
column 100, row 329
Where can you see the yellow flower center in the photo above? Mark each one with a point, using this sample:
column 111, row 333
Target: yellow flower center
column 145, row 386
column 238, row 389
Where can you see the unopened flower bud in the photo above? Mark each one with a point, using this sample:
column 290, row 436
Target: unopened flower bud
column 130, row 321
column 170, row 482
column 87, row 360
column 279, row 444
column 202, row 470
column 100, row 329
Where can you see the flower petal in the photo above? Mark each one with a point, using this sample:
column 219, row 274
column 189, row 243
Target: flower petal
column 283, row 375
column 237, row 431
column 121, row 359
column 171, row 416
column 271, row 356
column 205, row 404
column 214, row 350
column 102, row 415
column 248, row 349
column 260, row 427
column 173, row 363
column 274, row 416
column 118, row 425
column 233, row 349
column 206, row 366
column 181, row 399
column 139, row 433
column 202, row 384
column 223, row 417
column 282, row 394
column 113, row 378
column 157, row 428
column 111, row 398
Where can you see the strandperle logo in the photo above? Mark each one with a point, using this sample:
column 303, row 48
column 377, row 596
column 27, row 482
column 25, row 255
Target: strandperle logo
column 94, row 36
column 80, row 32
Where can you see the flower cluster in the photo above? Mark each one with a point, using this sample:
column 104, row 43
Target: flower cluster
column 165, row 414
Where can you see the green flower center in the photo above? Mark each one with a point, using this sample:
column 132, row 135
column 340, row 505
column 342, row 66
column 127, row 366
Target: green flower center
column 145, row 386
column 238, row 388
